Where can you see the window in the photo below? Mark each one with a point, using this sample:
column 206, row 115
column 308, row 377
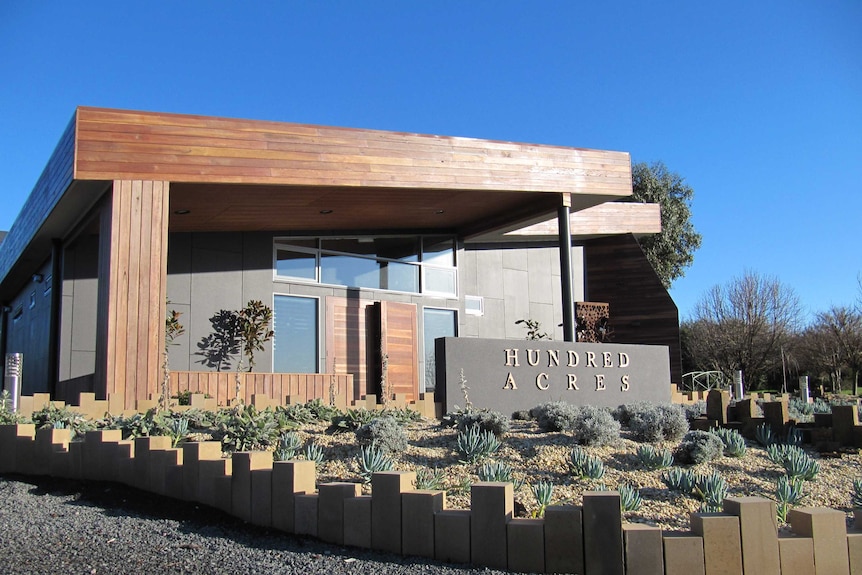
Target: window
column 411, row 264
column 295, row 343
column 436, row 323
column 474, row 305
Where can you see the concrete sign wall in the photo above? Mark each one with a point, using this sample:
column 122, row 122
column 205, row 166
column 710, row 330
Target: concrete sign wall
column 508, row 375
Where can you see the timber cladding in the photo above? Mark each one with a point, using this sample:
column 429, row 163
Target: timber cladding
column 641, row 310
column 114, row 144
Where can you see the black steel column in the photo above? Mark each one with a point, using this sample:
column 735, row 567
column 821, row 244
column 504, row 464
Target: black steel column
column 54, row 325
column 566, row 273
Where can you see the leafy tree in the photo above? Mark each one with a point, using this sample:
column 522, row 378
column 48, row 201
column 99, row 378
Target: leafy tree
column 743, row 325
column 671, row 251
column 254, row 329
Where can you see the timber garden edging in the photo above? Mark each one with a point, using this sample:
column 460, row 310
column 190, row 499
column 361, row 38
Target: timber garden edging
column 591, row 538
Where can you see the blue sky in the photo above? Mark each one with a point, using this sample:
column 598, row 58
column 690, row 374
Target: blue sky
column 758, row 105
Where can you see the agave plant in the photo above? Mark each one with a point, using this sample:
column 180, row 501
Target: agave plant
column 734, row 443
column 288, row 447
column 654, row 458
column 763, row 434
column 586, row 466
column 799, row 464
column 474, row 444
column 371, row 459
column 711, row 488
column 543, row 492
column 314, row 452
column 429, row 479
column 630, row 497
column 677, row 479
column 499, row 471
column 788, row 491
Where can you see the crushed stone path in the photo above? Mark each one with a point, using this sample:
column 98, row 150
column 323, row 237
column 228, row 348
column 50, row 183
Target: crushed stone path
column 53, row 526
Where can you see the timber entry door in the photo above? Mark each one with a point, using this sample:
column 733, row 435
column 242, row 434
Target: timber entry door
column 359, row 333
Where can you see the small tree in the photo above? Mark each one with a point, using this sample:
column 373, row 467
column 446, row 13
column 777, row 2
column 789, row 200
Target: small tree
column 253, row 326
column 672, row 250
column 173, row 329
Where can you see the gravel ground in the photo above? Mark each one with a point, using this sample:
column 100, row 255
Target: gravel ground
column 52, row 526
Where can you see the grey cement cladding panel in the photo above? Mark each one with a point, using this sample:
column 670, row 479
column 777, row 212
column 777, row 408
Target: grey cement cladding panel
column 508, row 375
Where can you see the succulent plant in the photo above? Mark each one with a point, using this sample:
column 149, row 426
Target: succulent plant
column 474, row 444
column 372, row 459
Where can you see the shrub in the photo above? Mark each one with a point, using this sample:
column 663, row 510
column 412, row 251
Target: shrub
column 699, row 447
column 385, row 433
column 624, row 412
column 244, row 428
column 522, row 415
column 492, row 421
column 800, row 410
column 352, row 419
column 555, row 415
column 595, row 426
column 657, row 422
column 694, row 410
column 51, row 416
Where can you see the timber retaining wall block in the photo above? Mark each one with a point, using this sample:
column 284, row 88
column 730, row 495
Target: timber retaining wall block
column 357, row 521
column 603, row 533
column 261, row 496
column 491, row 507
column 844, row 419
column 828, row 529
column 144, row 446
column 305, row 517
column 643, row 549
column 49, row 441
column 526, row 545
column 330, row 509
column 758, row 527
column 244, row 462
column 208, row 473
column 290, row 478
column 193, row 454
column 717, row 404
column 452, row 536
column 683, row 554
column 564, row 539
column 854, row 551
column 797, row 555
column 417, row 521
column 722, row 548
column 386, row 490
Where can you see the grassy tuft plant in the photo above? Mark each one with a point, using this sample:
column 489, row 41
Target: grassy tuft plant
column 653, row 458
column 798, row 464
column 474, row 444
column 711, row 488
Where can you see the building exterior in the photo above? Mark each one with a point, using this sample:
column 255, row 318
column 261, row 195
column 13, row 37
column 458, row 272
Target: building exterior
column 367, row 245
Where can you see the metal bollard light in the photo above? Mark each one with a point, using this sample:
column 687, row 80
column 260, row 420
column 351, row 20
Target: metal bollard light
column 804, row 392
column 12, row 377
column 738, row 390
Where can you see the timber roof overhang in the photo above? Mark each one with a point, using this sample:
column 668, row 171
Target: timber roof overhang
column 249, row 175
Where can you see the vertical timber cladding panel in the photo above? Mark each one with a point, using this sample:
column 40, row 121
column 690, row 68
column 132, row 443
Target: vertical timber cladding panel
column 399, row 342
column 132, row 290
column 347, row 341
column 641, row 309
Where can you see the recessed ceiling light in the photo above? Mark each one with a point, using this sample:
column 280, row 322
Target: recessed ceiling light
column 325, row 211
column 440, row 211
column 182, row 212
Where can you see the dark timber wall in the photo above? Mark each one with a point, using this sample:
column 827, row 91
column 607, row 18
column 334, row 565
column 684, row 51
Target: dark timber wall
column 641, row 309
